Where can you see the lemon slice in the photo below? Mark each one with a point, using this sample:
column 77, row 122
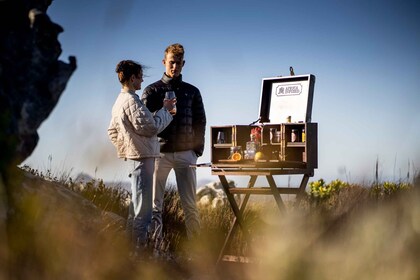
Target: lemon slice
column 236, row 156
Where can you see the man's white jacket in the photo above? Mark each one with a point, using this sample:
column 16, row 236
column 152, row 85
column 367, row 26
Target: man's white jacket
column 133, row 129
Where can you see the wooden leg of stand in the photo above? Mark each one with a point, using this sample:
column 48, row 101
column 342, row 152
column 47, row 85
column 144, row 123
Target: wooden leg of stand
column 276, row 194
column 235, row 222
column 237, row 219
column 231, row 199
column 232, row 230
column 302, row 187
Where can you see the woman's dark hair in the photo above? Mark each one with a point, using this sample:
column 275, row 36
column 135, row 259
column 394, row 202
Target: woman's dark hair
column 126, row 68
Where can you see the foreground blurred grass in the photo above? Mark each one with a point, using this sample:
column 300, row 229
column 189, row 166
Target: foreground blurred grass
column 348, row 232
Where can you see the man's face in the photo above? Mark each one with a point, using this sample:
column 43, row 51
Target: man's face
column 173, row 65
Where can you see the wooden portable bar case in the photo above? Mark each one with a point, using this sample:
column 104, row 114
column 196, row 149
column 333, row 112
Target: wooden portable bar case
column 288, row 139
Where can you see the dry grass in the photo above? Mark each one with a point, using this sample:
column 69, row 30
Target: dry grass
column 357, row 232
column 351, row 235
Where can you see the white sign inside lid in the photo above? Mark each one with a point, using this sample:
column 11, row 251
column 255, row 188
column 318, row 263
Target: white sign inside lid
column 289, row 99
column 282, row 97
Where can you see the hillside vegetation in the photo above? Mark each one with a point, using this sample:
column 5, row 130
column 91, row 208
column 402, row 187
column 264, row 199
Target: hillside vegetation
column 337, row 231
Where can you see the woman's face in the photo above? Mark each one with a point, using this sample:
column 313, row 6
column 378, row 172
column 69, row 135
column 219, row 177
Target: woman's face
column 137, row 80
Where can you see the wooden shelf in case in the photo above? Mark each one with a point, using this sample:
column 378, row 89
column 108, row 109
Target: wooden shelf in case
column 296, row 144
column 224, row 145
column 228, row 160
column 261, row 164
column 275, row 144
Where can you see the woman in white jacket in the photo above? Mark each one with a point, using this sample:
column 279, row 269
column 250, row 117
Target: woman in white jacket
column 133, row 131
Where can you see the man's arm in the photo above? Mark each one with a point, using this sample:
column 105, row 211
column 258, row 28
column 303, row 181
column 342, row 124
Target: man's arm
column 199, row 123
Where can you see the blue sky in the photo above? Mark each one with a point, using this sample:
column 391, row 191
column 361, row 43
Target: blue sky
column 365, row 56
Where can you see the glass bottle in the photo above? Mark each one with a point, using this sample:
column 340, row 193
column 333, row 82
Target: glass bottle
column 251, row 147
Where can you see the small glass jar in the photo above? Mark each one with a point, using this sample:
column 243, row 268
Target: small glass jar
column 277, row 137
column 249, row 154
column 294, row 136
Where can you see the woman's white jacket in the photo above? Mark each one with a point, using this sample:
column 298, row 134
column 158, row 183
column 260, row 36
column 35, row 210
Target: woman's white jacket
column 133, row 129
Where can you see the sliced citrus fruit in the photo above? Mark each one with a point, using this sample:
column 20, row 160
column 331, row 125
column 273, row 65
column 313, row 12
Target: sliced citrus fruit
column 236, row 156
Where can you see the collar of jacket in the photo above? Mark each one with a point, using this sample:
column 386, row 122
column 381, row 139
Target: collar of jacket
column 172, row 81
column 129, row 92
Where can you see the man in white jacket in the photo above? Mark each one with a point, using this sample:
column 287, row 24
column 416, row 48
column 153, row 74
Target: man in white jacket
column 133, row 131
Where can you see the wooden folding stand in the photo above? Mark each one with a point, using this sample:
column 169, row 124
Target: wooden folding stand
column 284, row 136
column 254, row 170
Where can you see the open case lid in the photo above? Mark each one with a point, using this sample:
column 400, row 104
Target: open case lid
column 287, row 96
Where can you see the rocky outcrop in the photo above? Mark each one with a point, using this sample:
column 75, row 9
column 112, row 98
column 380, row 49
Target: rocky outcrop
column 212, row 194
column 32, row 78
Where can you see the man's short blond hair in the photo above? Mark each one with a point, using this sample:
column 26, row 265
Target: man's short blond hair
column 175, row 49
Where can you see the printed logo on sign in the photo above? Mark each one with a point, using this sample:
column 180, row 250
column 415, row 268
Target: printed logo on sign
column 291, row 89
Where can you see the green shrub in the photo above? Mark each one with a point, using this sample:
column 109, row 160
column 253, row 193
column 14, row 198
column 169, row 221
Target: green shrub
column 387, row 189
column 320, row 190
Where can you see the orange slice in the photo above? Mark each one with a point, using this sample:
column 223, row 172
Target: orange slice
column 236, row 156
